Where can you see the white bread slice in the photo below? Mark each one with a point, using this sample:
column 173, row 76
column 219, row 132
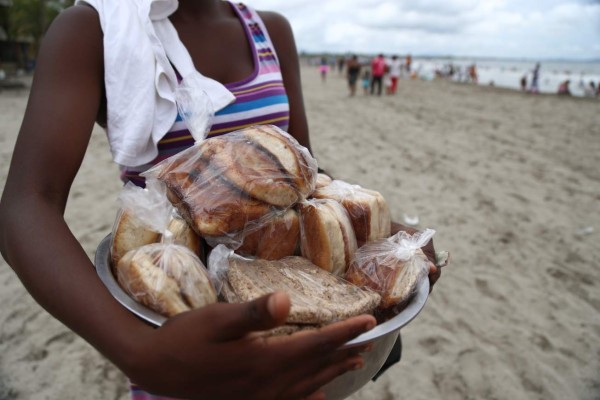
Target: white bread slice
column 168, row 278
column 327, row 237
column 368, row 210
column 144, row 282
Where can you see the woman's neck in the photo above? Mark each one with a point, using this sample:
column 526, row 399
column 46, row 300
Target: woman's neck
column 199, row 9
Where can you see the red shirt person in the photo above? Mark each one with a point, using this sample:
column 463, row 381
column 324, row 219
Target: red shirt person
column 377, row 72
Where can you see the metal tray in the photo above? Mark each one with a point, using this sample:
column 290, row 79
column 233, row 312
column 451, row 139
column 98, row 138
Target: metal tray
column 383, row 336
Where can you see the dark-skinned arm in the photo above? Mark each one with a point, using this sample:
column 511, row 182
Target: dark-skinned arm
column 206, row 353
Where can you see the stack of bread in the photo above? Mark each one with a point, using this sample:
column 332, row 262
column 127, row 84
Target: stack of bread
column 258, row 191
column 317, row 296
column 155, row 255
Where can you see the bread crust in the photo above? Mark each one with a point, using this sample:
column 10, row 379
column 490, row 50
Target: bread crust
column 368, row 210
column 278, row 237
column 395, row 280
column 169, row 279
column 295, row 160
column 251, row 168
column 317, row 296
column 327, row 237
column 129, row 233
column 210, row 205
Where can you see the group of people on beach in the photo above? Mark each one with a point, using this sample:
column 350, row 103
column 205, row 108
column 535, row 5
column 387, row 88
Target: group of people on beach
column 589, row 90
column 376, row 75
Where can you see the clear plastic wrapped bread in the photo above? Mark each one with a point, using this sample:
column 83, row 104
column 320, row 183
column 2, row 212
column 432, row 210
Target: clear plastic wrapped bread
column 276, row 237
column 317, row 296
column 143, row 216
column 322, row 180
column 327, row 238
column 166, row 277
column 368, row 210
column 223, row 183
column 393, row 267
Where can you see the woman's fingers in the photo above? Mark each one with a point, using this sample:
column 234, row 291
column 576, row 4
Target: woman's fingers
column 235, row 321
column 434, row 275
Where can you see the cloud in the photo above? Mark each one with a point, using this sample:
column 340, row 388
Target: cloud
column 500, row 28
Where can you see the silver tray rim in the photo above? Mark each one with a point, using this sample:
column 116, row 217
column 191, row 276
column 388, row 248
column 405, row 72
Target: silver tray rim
column 393, row 325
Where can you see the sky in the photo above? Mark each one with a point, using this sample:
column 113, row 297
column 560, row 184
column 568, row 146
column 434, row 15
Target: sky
column 523, row 29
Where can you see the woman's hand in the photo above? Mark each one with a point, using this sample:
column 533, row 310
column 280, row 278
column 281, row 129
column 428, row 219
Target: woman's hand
column 215, row 353
column 434, row 271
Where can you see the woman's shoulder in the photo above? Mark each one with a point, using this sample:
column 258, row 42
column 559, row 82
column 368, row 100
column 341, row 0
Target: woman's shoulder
column 276, row 23
column 75, row 29
column 81, row 16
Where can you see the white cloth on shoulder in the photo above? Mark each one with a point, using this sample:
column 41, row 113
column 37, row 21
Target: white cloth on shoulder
column 141, row 47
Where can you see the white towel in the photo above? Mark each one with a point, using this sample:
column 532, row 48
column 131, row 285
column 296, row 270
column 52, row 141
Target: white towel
column 140, row 43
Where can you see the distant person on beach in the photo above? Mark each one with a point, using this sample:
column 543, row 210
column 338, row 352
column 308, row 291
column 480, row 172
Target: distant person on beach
column 590, row 90
column 535, row 76
column 366, row 81
column 563, row 88
column 395, row 67
column 473, row 73
column 208, row 353
column 377, row 72
column 353, row 72
column 341, row 63
column 323, row 69
column 408, row 63
column 524, row 83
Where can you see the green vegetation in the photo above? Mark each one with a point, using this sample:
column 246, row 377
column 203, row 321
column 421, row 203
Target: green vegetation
column 28, row 20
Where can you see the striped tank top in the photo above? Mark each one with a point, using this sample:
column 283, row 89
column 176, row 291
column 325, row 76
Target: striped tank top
column 259, row 99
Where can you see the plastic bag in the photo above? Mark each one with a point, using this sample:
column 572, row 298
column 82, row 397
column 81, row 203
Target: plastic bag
column 317, row 296
column 222, row 183
column 327, row 238
column 393, row 267
column 367, row 209
column 275, row 238
column 143, row 217
column 166, row 277
column 194, row 106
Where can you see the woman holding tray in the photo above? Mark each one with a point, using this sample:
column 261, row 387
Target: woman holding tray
column 117, row 63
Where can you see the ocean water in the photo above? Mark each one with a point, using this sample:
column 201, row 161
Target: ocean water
column 508, row 73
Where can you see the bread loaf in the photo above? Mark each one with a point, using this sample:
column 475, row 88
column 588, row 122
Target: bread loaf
column 211, row 205
column 317, row 296
column 263, row 162
column 376, row 267
column 368, row 210
column 297, row 163
column 129, row 233
column 168, row 278
column 275, row 238
column 224, row 182
column 327, row 237
column 184, row 235
column 322, row 180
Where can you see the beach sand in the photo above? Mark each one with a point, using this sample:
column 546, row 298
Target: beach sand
column 511, row 184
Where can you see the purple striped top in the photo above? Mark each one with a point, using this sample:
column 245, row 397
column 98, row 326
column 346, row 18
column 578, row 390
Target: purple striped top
column 259, row 99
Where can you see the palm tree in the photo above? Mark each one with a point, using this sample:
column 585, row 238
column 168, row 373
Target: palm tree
column 28, row 20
